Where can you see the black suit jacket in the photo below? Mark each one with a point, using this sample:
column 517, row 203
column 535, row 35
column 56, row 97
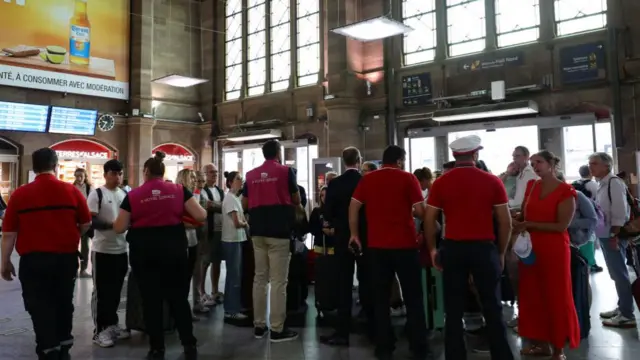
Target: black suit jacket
column 337, row 200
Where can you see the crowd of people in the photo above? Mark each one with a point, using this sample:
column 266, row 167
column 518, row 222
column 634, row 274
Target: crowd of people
column 387, row 223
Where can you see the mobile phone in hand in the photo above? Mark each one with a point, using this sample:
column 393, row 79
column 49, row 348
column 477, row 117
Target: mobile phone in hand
column 357, row 251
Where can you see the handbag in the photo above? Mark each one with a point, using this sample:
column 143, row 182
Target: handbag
column 523, row 247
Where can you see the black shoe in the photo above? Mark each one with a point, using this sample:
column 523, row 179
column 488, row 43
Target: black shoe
column 260, row 332
column 51, row 355
column 64, row 353
column 481, row 347
column 190, row 352
column 596, row 269
column 155, row 355
column 284, row 335
column 335, row 340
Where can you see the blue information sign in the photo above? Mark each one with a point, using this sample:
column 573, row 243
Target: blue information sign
column 416, row 89
column 582, row 63
column 23, row 117
column 72, row 121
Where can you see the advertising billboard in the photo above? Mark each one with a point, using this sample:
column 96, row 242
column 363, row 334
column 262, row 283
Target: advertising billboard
column 73, row 46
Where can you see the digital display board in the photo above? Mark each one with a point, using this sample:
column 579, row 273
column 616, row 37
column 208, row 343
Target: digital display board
column 72, row 121
column 416, row 89
column 23, row 117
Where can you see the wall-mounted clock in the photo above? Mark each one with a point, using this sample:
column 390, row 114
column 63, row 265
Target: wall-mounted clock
column 106, row 122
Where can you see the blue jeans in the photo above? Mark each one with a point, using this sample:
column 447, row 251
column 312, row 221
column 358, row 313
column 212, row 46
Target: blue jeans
column 616, row 260
column 232, row 255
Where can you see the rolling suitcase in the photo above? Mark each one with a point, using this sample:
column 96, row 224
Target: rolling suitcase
column 326, row 289
column 580, row 287
column 434, row 298
column 134, row 318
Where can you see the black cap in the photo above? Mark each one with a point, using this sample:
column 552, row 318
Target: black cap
column 113, row 165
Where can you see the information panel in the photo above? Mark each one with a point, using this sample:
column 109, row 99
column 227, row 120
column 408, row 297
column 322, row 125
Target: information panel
column 23, row 117
column 416, row 89
column 72, row 121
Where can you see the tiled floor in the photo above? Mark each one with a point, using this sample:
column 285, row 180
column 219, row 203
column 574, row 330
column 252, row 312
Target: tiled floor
column 219, row 341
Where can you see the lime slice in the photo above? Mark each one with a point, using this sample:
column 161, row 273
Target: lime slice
column 43, row 56
column 55, row 58
column 59, row 50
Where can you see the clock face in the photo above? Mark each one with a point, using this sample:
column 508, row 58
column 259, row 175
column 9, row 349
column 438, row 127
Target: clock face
column 106, row 122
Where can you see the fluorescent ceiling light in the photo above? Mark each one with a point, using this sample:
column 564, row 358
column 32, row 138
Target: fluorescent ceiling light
column 255, row 135
column 179, row 81
column 487, row 111
column 373, row 29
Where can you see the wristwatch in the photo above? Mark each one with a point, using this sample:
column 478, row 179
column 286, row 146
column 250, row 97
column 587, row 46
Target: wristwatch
column 613, row 235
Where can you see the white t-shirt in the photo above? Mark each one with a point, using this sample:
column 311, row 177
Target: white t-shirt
column 230, row 233
column 107, row 241
column 217, row 218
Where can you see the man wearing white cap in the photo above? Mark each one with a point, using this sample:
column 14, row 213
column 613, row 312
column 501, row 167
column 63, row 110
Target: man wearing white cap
column 470, row 198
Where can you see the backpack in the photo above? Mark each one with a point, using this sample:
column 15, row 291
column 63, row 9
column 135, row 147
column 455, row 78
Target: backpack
column 581, row 185
column 91, row 232
column 601, row 224
column 634, row 211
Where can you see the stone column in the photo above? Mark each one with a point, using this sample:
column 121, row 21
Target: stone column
column 140, row 145
column 344, row 118
column 341, row 53
column 142, row 42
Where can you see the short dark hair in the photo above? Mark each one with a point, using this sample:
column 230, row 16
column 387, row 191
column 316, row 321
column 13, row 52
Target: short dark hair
column 155, row 165
column 523, row 150
column 112, row 165
column 423, row 174
column 584, row 171
column 351, row 156
column 392, row 154
column 449, row 165
column 370, row 165
column 43, row 160
column 270, row 149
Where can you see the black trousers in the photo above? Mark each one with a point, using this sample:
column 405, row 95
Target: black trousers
column 48, row 281
column 84, row 252
column 109, row 272
column 384, row 264
column 161, row 270
column 192, row 256
column 459, row 259
column 346, row 260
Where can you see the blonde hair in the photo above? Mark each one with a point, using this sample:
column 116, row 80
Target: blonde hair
column 87, row 180
column 184, row 178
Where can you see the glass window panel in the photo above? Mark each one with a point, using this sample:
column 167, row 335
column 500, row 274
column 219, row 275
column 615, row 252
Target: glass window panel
column 251, row 159
column 308, row 59
column 466, row 22
column 234, row 27
column 518, row 37
column 423, row 36
column 419, row 57
column 280, row 12
column 578, row 145
column 307, row 7
column 308, row 80
column 230, row 161
column 422, row 153
column 256, row 45
column 281, row 67
column 415, row 7
column 251, row 3
column 280, row 85
column 256, row 73
column 233, row 76
column 234, row 52
column 573, row 16
column 233, row 95
column 515, row 21
column 280, row 39
column 308, row 30
column 467, row 47
column 256, row 19
column 582, row 24
column 233, row 7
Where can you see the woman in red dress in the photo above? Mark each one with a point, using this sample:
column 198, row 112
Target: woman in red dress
column 547, row 312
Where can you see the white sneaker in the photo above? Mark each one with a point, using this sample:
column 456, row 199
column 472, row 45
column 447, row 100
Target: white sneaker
column 398, row 312
column 610, row 314
column 104, row 338
column 200, row 309
column 119, row 333
column 236, row 316
column 619, row 321
column 208, row 301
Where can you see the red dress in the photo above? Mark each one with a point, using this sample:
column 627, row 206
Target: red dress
column 547, row 311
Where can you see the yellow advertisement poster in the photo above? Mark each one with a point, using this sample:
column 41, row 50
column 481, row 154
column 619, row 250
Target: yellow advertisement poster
column 73, row 46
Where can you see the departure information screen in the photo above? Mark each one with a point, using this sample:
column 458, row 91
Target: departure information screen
column 23, row 117
column 72, row 121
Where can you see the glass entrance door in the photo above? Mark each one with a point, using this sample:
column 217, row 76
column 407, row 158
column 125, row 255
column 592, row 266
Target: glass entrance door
column 421, row 152
column 498, row 144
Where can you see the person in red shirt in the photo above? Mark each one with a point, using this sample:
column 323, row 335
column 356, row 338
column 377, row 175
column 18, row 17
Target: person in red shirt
column 44, row 221
column 392, row 197
column 470, row 198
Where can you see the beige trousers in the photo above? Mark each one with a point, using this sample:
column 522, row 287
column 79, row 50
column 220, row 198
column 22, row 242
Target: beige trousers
column 272, row 258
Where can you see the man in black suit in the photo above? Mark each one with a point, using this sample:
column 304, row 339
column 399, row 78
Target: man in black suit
column 336, row 213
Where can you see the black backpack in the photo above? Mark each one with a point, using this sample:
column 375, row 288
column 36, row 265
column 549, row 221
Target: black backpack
column 91, row 232
column 634, row 209
column 581, row 185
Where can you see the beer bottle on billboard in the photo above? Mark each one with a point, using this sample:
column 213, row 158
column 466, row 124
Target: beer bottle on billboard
column 80, row 34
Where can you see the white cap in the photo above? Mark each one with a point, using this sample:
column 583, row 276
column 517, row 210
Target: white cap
column 466, row 145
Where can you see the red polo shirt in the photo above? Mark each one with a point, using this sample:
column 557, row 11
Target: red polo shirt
column 389, row 195
column 46, row 214
column 467, row 196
